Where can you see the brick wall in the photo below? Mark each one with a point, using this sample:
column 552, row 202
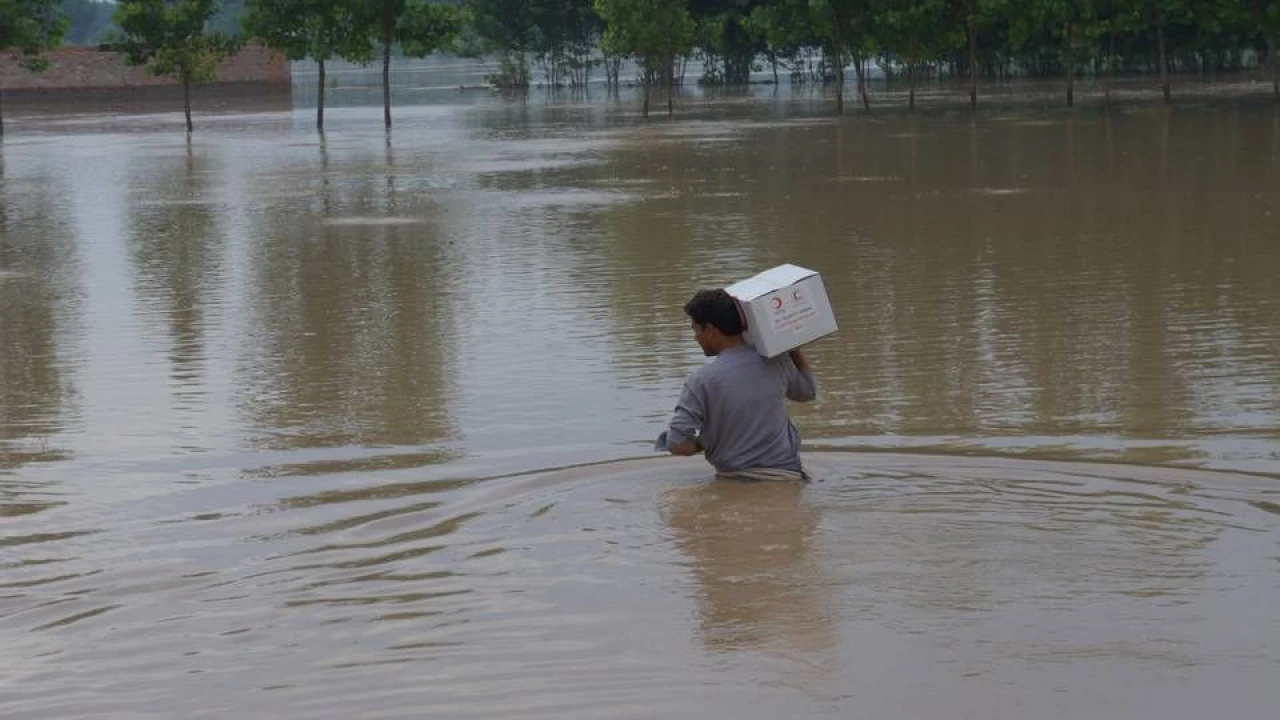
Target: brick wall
column 90, row 68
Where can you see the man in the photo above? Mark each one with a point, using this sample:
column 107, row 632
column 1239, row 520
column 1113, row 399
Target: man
column 733, row 408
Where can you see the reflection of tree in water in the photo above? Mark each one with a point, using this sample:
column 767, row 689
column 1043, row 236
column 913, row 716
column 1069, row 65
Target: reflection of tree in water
column 680, row 231
column 39, row 286
column 1046, row 278
column 352, row 321
column 176, row 248
column 750, row 551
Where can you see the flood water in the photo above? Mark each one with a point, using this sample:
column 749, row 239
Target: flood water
column 361, row 427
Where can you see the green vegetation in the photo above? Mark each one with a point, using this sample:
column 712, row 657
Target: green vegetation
column 963, row 39
column 170, row 38
column 813, row 40
column 419, row 27
column 28, row 27
column 316, row 29
column 654, row 32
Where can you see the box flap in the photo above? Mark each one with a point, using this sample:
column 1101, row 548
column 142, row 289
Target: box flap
column 785, row 275
column 768, row 281
column 748, row 290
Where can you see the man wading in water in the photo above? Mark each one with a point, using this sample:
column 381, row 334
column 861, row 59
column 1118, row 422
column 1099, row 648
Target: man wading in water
column 733, row 408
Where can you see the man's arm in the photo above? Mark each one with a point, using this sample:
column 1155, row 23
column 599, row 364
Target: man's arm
column 801, row 385
column 686, row 422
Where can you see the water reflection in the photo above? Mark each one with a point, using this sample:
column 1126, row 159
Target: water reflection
column 39, row 301
column 177, row 247
column 750, row 549
column 352, row 325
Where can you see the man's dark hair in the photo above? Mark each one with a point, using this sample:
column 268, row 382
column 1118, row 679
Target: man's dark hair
column 716, row 308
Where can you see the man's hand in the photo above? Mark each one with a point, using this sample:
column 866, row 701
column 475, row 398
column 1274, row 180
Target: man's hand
column 802, row 363
column 685, row 448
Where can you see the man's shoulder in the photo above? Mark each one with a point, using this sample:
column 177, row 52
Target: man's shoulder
column 730, row 364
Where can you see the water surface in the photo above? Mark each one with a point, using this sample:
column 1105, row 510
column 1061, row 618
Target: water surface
column 359, row 426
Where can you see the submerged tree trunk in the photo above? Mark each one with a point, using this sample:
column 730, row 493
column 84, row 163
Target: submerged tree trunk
column 320, row 97
column 648, row 75
column 186, row 98
column 1109, row 69
column 859, row 68
column 386, row 81
column 1071, row 67
column 973, row 55
column 671, row 87
column 840, row 88
column 911, row 81
column 1275, row 72
column 1164, row 60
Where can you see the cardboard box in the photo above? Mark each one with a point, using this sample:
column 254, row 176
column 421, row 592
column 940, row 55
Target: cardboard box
column 784, row 307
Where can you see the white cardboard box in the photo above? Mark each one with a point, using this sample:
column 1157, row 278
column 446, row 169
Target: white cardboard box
column 784, row 307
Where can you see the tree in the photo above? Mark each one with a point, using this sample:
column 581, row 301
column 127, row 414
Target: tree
column 1266, row 14
column 1062, row 26
column 418, row 26
column 507, row 26
column 655, row 33
column 562, row 33
column 170, row 39
column 1164, row 14
column 785, row 28
column 317, row 29
column 29, row 27
column 725, row 37
column 915, row 31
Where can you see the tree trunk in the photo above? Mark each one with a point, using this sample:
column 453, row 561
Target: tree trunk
column 386, row 81
column 186, row 98
column 1275, row 72
column 320, row 98
column 648, row 75
column 1109, row 69
column 973, row 55
column 839, row 63
column 1, row 112
column 911, row 80
column 1164, row 60
column 1071, row 68
column 860, row 69
column 839, row 88
column 671, row 87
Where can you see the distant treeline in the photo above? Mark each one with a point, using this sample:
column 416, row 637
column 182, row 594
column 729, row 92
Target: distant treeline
column 804, row 38
column 810, row 40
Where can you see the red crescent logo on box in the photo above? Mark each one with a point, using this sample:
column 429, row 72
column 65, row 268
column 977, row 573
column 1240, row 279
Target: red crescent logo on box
column 777, row 303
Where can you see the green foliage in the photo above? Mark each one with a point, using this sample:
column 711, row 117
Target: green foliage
column 29, row 27
column 727, row 38
column 418, row 27
column 427, row 28
column 170, row 38
column 559, row 33
column 654, row 32
column 318, row 29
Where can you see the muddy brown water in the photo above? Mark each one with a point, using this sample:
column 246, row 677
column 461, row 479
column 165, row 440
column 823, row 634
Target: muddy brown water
column 360, row 427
